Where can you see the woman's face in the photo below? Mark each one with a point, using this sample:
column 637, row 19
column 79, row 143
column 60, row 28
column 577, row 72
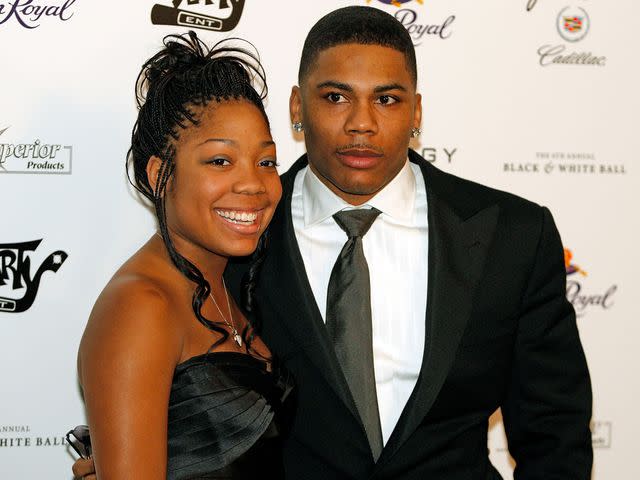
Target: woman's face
column 225, row 186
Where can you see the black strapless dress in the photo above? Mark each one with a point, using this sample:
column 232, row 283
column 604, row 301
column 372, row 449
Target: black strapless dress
column 225, row 413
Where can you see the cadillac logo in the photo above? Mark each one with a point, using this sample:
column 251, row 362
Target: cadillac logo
column 573, row 23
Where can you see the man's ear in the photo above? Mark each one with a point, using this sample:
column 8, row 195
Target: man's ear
column 153, row 168
column 295, row 105
column 417, row 113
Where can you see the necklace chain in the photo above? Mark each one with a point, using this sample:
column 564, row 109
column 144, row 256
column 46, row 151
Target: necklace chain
column 232, row 326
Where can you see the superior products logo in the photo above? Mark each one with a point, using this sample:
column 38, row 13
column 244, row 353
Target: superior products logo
column 16, row 275
column 200, row 14
column 31, row 13
column 34, row 157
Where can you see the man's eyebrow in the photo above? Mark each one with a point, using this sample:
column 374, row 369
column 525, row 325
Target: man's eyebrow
column 340, row 86
column 391, row 86
column 348, row 88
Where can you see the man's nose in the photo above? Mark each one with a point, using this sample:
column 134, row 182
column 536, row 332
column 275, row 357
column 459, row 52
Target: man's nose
column 362, row 119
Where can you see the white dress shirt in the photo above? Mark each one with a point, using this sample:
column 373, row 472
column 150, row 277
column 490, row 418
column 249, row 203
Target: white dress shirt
column 396, row 252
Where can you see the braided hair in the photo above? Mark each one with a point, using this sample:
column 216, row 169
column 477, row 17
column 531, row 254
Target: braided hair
column 171, row 87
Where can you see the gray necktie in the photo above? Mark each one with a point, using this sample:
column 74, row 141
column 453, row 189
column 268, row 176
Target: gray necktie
column 349, row 320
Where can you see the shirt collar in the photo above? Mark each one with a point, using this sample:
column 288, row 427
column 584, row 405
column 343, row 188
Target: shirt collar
column 396, row 199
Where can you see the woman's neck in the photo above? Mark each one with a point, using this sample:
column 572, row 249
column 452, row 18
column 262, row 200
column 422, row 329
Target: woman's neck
column 210, row 264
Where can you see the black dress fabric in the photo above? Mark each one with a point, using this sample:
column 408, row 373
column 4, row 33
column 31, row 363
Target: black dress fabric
column 225, row 418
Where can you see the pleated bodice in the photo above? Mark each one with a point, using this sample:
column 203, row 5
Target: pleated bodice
column 224, row 413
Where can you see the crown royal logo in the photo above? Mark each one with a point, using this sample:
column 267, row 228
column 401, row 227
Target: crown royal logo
column 570, row 267
column 165, row 15
column 397, row 3
column 581, row 300
column 15, row 269
column 417, row 30
column 30, row 13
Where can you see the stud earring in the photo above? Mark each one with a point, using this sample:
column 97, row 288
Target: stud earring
column 415, row 132
column 297, row 126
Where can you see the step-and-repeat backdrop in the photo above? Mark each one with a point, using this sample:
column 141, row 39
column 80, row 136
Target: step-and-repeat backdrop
column 537, row 97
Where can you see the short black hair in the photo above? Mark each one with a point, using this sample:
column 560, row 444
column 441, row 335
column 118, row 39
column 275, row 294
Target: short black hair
column 361, row 25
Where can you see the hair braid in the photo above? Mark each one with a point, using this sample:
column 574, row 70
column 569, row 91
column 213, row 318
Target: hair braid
column 183, row 75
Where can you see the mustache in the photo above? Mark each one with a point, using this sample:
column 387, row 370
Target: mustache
column 360, row 146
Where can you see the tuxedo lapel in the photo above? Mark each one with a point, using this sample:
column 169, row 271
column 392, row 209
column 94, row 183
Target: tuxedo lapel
column 291, row 296
column 458, row 242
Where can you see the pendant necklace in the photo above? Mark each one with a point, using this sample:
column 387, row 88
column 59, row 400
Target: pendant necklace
column 232, row 326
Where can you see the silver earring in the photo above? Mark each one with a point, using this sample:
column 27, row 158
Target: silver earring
column 415, row 132
column 297, row 126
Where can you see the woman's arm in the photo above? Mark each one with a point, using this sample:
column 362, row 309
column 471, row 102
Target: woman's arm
column 126, row 361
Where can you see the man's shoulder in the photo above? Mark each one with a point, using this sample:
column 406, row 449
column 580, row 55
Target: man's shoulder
column 468, row 196
column 289, row 176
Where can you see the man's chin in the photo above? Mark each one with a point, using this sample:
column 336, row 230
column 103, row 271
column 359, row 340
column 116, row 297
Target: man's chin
column 357, row 189
column 352, row 185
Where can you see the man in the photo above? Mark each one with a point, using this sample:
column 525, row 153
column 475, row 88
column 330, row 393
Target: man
column 463, row 289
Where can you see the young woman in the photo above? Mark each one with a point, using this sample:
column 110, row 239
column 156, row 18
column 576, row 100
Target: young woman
column 176, row 383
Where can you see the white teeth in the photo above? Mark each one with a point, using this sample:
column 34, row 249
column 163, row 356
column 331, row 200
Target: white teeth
column 238, row 217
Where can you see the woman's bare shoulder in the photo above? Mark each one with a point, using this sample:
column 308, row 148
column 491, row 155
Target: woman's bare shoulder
column 134, row 315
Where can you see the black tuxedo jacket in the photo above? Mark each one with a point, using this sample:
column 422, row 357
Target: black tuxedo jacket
column 499, row 333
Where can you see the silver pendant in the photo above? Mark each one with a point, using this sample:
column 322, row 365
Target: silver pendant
column 237, row 338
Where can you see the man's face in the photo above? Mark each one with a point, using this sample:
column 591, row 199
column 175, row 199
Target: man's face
column 358, row 105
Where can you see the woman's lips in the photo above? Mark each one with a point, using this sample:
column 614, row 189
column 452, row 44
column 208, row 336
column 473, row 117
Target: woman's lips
column 244, row 222
column 359, row 158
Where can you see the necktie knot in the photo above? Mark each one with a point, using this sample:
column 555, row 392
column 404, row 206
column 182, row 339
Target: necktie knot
column 356, row 223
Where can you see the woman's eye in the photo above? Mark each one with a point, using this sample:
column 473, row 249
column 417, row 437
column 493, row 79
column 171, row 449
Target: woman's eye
column 386, row 100
column 334, row 97
column 268, row 163
column 219, row 162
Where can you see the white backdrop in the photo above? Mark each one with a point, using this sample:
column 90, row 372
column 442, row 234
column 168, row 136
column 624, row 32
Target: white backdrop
column 515, row 96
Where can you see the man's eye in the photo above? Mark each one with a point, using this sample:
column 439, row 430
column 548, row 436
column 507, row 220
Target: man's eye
column 334, row 97
column 386, row 100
